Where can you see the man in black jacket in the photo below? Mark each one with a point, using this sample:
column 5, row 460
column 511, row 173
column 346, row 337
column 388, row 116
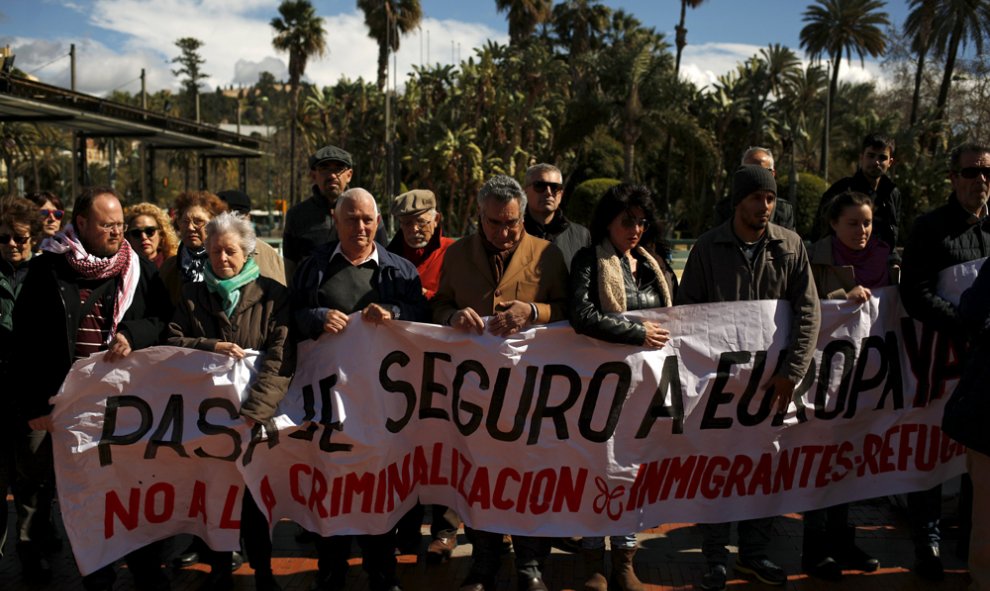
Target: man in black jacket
column 875, row 159
column 954, row 233
column 87, row 293
column 544, row 218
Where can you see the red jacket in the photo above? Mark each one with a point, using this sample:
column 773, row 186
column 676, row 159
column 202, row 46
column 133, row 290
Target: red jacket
column 428, row 260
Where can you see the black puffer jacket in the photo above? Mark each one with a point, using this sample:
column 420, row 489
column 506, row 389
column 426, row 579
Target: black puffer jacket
column 940, row 239
column 566, row 235
column 587, row 316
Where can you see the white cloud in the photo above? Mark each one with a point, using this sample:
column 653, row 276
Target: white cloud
column 247, row 72
column 703, row 63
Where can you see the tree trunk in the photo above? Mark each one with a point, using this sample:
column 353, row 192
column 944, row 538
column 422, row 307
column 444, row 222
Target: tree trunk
column 832, row 90
column 918, row 75
column 943, row 91
column 382, row 64
column 293, row 191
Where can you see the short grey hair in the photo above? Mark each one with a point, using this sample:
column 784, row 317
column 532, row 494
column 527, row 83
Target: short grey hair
column 502, row 189
column 355, row 194
column 542, row 168
column 753, row 150
column 229, row 222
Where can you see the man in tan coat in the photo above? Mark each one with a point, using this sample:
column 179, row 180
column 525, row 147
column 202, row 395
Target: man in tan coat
column 515, row 280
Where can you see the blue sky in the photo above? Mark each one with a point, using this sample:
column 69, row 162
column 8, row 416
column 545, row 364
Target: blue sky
column 116, row 38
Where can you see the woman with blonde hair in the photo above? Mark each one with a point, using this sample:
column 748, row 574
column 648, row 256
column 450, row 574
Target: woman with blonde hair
column 150, row 232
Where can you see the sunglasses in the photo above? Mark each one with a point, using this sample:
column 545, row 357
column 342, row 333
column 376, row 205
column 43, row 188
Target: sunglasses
column 56, row 213
column 630, row 222
column 18, row 240
column 971, row 172
column 542, row 186
column 138, row 233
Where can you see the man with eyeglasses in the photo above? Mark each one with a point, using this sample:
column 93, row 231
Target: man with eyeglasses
column 514, row 280
column 953, row 233
column 88, row 292
column 309, row 224
column 420, row 238
column 544, row 216
column 748, row 258
column 875, row 159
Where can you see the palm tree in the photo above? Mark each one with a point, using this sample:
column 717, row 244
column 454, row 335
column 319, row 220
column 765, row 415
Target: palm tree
column 387, row 20
column 300, row 33
column 681, row 40
column 956, row 23
column 524, row 16
column 837, row 27
column 918, row 26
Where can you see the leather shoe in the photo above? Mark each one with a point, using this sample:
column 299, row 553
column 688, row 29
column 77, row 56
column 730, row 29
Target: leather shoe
column 236, row 560
column 472, row 583
column 185, row 559
column 471, row 587
column 533, row 584
column 929, row 564
column 440, row 549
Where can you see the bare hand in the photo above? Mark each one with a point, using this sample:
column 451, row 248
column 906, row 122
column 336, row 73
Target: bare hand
column 467, row 319
column 783, row 389
column 510, row 318
column 335, row 322
column 656, row 336
column 41, row 424
column 118, row 349
column 376, row 314
column 859, row 295
column 229, row 349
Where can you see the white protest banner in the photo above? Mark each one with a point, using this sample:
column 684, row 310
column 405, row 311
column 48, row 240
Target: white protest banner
column 552, row 433
column 145, row 448
column 546, row 433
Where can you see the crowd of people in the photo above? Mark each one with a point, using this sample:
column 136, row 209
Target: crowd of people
column 114, row 279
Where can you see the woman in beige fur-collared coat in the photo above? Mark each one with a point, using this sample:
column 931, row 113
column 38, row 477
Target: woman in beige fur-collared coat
column 617, row 273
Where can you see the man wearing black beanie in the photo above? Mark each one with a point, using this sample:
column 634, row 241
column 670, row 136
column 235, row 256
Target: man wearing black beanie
column 748, row 258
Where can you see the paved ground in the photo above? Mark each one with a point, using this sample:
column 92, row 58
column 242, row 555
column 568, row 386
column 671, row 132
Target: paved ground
column 669, row 559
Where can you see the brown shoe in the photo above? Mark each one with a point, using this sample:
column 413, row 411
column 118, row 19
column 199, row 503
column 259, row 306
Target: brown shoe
column 440, row 549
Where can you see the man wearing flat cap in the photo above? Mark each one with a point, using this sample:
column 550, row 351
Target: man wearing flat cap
column 420, row 238
column 309, row 223
column 748, row 258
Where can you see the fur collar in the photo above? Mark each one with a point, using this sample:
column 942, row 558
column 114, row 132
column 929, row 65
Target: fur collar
column 611, row 284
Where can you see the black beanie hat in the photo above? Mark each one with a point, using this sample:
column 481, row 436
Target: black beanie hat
column 749, row 178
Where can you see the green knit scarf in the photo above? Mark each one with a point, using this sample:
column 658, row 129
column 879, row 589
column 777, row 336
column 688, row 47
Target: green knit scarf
column 229, row 290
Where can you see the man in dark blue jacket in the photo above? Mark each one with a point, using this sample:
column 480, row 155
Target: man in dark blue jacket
column 338, row 279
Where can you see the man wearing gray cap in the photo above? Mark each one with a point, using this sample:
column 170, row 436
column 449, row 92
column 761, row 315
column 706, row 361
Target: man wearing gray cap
column 309, row 223
column 420, row 238
column 748, row 258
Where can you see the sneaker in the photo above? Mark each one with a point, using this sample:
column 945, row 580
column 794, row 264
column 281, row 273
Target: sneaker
column 714, row 579
column 762, row 569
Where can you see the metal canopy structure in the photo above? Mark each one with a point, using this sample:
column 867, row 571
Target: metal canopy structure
column 27, row 101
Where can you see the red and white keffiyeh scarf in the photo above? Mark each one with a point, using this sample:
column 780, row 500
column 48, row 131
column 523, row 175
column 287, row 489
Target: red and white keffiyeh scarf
column 124, row 264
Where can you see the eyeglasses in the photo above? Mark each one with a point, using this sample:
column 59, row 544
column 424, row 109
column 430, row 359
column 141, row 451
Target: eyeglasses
column 332, row 168
column 542, row 186
column 971, row 172
column 500, row 225
column 138, row 233
column 56, row 213
column 18, row 240
column 196, row 223
column 113, row 227
column 631, row 222
column 414, row 224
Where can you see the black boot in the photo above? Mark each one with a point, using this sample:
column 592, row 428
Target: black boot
column 816, row 559
column 850, row 556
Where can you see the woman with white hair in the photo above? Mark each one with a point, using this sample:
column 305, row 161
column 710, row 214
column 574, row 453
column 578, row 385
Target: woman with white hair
column 234, row 308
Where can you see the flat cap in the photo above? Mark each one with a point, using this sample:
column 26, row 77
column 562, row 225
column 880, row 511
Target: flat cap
column 413, row 202
column 330, row 153
column 236, row 200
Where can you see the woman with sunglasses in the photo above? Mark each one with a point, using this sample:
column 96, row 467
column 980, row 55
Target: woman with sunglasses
column 619, row 272
column 19, row 447
column 150, row 233
column 50, row 210
column 193, row 210
column 234, row 309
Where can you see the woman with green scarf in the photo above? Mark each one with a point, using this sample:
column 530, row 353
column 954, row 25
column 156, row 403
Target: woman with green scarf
column 232, row 310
